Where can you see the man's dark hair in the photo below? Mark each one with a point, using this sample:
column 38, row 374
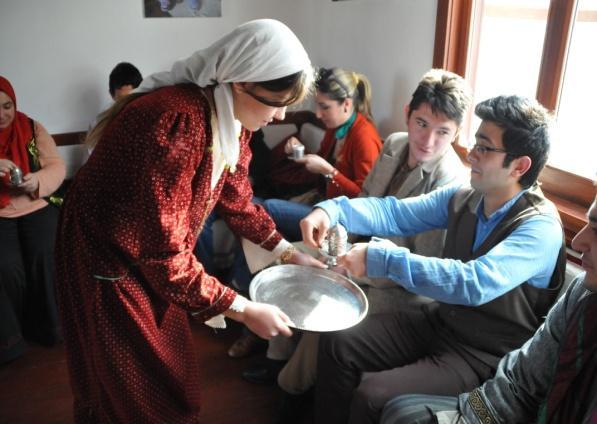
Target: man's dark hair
column 526, row 126
column 445, row 92
column 124, row 74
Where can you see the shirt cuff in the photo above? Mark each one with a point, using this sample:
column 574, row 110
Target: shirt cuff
column 331, row 209
column 378, row 255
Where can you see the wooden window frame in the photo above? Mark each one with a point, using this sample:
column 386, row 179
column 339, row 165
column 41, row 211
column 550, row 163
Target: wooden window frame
column 572, row 194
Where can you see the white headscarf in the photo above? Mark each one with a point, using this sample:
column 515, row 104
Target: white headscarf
column 259, row 50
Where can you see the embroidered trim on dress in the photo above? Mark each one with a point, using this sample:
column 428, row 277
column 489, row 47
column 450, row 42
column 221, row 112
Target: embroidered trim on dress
column 479, row 407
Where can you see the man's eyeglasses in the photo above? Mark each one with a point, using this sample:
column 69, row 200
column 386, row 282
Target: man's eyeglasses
column 482, row 150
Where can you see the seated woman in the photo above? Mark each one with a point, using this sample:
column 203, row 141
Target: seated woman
column 27, row 229
column 348, row 151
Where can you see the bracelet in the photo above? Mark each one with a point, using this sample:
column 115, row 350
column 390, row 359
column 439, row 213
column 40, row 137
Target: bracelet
column 239, row 303
column 287, row 254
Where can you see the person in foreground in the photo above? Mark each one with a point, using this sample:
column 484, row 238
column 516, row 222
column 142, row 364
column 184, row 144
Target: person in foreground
column 502, row 267
column 127, row 276
column 551, row 379
column 27, row 230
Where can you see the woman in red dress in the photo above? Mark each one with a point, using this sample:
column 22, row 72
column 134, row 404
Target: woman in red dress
column 164, row 158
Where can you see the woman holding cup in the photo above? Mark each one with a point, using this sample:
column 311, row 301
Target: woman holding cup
column 30, row 171
column 348, row 151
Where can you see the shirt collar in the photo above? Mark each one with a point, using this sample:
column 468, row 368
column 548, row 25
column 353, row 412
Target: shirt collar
column 499, row 213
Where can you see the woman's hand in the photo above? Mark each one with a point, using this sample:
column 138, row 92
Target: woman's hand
column 30, row 183
column 355, row 260
column 314, row 227
column 316, row 164
column 300, row 258
column 265, row 320
column 5, row 167
column 290, row 143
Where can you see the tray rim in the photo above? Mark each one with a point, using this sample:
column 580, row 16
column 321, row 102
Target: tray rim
column 347, row 283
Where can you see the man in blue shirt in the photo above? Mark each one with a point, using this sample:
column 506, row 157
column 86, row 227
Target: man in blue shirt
column 494, row 284
column 551, row 379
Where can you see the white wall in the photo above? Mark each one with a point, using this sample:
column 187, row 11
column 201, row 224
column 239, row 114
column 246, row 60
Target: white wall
column 58, row 53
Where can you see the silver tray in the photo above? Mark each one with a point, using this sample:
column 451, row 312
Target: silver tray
column 314, row 299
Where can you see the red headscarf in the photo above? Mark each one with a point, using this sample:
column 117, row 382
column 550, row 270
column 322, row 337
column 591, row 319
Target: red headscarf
column 13, row 141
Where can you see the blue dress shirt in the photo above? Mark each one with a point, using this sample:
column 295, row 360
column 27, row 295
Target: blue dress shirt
column 529, row 253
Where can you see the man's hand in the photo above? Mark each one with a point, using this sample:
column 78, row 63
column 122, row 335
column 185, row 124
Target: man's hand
column 355, row 260
column 314, row 227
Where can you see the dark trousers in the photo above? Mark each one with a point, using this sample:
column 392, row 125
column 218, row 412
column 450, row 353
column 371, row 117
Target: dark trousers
column 387, row 355
column 27, row 298
column 418, row 409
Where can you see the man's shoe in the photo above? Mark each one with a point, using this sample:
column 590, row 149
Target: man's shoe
column 246, row 345
column 265, row 372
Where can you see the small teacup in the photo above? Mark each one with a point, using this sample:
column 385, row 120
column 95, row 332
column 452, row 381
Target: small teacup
column 16, row 176
column 298, row 151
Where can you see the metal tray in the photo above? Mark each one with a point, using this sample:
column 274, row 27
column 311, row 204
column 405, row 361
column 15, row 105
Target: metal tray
column 314, row 299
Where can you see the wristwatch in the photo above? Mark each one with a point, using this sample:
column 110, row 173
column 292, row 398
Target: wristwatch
column 331, row 175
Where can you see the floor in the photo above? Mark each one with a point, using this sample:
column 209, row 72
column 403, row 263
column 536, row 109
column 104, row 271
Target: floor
column 35, row 388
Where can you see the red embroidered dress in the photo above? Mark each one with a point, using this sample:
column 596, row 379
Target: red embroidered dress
column 126, row 272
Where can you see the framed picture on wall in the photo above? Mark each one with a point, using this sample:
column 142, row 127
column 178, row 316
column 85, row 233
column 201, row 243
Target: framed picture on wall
column 182, row 8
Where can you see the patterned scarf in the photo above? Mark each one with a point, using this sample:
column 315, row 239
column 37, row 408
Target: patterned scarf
column 570, row 395
column 13, row 142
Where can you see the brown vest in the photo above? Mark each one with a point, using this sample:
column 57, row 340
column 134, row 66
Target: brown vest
column 491, row 330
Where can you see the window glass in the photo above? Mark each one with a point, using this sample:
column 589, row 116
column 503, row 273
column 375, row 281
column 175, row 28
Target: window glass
column 509, row 45
column 575, row 139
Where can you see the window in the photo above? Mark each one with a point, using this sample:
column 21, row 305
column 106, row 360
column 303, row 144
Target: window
column 505, row 54
column 539, row 48
column 576, row 111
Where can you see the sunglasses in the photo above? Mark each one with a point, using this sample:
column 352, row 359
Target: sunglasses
column 268, row 102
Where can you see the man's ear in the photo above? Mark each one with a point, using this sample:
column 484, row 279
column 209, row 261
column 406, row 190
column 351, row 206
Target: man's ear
column 520, row 166
column 406, row 111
